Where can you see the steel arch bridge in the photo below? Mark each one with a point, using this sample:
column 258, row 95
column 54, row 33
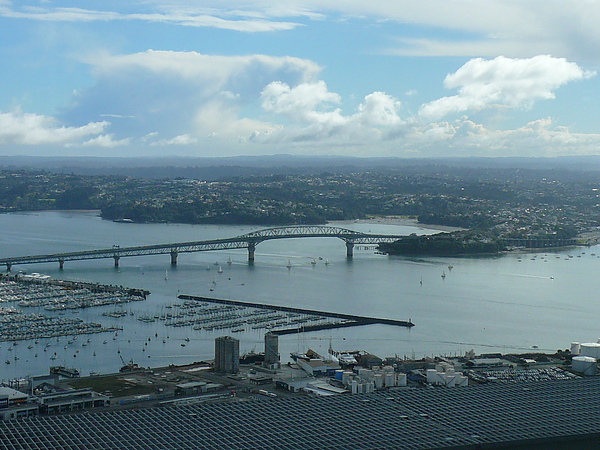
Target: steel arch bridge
column 248, row 241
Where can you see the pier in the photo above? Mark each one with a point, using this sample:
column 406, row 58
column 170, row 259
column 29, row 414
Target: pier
column 347, row 320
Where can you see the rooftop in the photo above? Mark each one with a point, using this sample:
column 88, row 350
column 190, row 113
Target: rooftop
column 510, row 415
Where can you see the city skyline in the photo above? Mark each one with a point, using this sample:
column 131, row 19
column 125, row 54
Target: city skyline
column 338, row 78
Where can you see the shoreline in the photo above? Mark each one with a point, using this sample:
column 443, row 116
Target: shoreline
column 398, row 221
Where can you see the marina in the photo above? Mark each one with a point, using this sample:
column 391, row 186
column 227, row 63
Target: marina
column 16, row 326
column 38, row 291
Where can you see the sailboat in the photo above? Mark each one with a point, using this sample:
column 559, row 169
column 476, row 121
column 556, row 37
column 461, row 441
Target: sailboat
column 229, row 261
column 289, row 264
column 443, row 274
column 166, row 274
column 220, row 270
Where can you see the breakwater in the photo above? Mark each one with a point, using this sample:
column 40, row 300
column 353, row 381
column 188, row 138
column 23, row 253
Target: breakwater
column 343, row 320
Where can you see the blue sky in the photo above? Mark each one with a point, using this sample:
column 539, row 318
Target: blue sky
column 224, row 78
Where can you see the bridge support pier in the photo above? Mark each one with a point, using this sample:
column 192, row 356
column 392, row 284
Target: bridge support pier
column 173, row 258
column 349, row 249
column 61, row 264
column 251, row 249
column 116, row 258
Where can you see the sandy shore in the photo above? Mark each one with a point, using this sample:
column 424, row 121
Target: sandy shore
column 401, row 221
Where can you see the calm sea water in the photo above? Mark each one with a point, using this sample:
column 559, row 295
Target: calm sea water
column 508, row 303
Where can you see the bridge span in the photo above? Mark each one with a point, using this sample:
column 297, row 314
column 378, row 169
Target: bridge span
column 248, row 241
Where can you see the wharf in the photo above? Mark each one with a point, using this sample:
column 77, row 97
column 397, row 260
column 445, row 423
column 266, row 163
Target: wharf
column 348, row 319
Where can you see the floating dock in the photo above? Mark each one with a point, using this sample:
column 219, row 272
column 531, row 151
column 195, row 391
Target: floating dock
column 347, row 320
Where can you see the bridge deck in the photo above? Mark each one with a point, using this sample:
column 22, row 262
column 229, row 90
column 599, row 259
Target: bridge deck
column 248, row 241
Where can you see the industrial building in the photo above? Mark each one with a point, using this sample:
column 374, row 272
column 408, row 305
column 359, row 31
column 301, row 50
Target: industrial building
column 271, row 350
column 227, row 355
column 17, row 405
column 525, row 415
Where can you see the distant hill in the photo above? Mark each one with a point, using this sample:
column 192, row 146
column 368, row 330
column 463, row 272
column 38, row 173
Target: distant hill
column 227, row 167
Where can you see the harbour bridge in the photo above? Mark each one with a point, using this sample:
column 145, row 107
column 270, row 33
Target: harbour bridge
column 248, row 241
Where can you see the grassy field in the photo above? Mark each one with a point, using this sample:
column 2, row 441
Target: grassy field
column 114, row 386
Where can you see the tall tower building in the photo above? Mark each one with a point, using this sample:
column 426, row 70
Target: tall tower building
column 271, row 349
column 227, row 354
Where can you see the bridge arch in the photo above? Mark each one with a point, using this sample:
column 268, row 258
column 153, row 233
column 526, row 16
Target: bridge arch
column 301, row 231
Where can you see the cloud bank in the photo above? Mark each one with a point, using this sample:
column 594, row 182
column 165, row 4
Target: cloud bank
column 198, row 104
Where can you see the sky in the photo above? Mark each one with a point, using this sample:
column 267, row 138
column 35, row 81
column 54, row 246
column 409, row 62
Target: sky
column 427, row 78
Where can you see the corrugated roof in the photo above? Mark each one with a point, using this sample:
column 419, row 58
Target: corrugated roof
column 405, row 418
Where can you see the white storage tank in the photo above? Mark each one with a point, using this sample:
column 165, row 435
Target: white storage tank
column 378, row 381
column 585, row 365
column 400, row 379
column 591, row 349
column 363, row 373
column 346, row 377
column 435, row 377
column 575, row 348
column 390, row 379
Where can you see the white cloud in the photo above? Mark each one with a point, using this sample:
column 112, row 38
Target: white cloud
column 196, row 19
column 220, row 120
column 463, row 137
column 182, row 139
column 105, row 141
column 305, row 102
column 212, row 73
column 309, row 107
column 315, row 120
column 33, row 129
column 488, row 28
column 468, row 28
column 184, row 93
column 379, row 109
column 504, row 82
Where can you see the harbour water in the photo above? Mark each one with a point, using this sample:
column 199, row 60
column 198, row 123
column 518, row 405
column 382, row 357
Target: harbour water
column 510, row 303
